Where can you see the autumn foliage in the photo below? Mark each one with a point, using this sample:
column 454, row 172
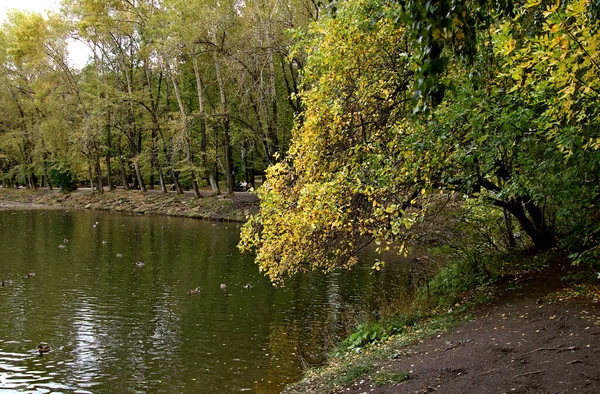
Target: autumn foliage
column 517, row 130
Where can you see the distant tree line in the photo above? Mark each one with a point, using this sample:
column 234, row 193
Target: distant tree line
column 176, row 93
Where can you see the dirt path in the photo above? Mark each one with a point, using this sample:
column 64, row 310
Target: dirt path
column 526, row 342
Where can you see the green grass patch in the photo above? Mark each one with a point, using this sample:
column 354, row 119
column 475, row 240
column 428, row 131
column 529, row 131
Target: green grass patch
column 384, row 378
column 354, row 372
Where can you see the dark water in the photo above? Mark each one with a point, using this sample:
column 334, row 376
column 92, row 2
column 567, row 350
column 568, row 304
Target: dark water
column 114, row 327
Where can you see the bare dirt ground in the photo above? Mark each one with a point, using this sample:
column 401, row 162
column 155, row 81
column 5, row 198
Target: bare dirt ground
column 532, row 340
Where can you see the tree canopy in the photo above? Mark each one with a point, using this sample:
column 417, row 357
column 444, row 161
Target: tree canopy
column 176, row 92
column 363, row 116
column 517, row 131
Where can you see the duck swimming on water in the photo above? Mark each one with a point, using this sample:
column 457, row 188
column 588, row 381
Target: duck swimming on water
column 43, row 347
column 195, row 291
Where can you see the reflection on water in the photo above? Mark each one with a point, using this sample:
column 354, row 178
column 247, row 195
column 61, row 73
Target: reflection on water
column 116, row 327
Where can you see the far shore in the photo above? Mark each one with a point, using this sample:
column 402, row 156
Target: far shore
column 235, row 208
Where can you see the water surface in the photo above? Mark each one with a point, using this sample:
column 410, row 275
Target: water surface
column 116, row 327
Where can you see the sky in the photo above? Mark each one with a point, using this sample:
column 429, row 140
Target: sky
column 78, row 52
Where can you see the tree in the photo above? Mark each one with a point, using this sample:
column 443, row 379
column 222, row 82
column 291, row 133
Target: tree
column 520, row 135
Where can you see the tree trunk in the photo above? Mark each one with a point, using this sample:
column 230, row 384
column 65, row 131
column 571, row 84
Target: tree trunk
column 203, row 129
column 98, row 170
column 186, row 130
column 226, row 129
column 156, row 163
column 138, row 174
column 108, row 153
column 175, row 177
column 273, row 121
column 90, row 176
column 122, row 167
column 161, row 179
column 510, row 236
column 46, row 177
column 542, row 238
column 228, row 157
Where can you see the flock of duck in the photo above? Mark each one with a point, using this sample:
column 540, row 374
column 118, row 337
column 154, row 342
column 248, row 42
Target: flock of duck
column 43, row 347
column 8, row 282
column 198, row 290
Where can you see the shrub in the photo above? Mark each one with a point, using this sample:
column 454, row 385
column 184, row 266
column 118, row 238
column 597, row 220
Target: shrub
column 62, row 177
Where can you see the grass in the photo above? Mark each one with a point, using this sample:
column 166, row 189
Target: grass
column 382, row 378
column 345, row 366
column 451, row 300
column 355, row 371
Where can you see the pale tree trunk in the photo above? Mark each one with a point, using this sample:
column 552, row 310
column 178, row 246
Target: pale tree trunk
column 156, row 162
column 156, row 130
column 45, row 169
column 99, row 184
column 186, row 130
column 91, row 177
column 97, row 169
column 224, row 122
column 138, row 174
column 161, row 178
column 203, row 129
column 132, row 125
column 108, row 152
column 122, row 167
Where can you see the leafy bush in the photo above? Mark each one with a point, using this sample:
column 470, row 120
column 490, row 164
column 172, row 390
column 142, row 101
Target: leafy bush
column 401, row 323
column 365, row 334
column 62, row 177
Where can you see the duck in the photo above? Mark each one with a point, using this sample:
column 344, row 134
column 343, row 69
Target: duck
column 248, row 286
column 139, row 264
column 66, row 241
column 195, row 291
column 223, row 286
column 30, row 275
column 43, row 347
column 6, row 282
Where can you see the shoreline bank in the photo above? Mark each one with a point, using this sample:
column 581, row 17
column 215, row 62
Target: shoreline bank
column 234, row 208
column 532, row 325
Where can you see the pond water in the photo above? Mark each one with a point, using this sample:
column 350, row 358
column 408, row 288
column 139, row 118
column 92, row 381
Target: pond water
column 115, row 327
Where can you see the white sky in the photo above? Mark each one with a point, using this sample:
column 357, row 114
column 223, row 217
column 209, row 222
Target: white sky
column 78, row 52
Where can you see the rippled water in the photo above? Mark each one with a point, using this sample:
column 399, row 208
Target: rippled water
column 115, row 327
